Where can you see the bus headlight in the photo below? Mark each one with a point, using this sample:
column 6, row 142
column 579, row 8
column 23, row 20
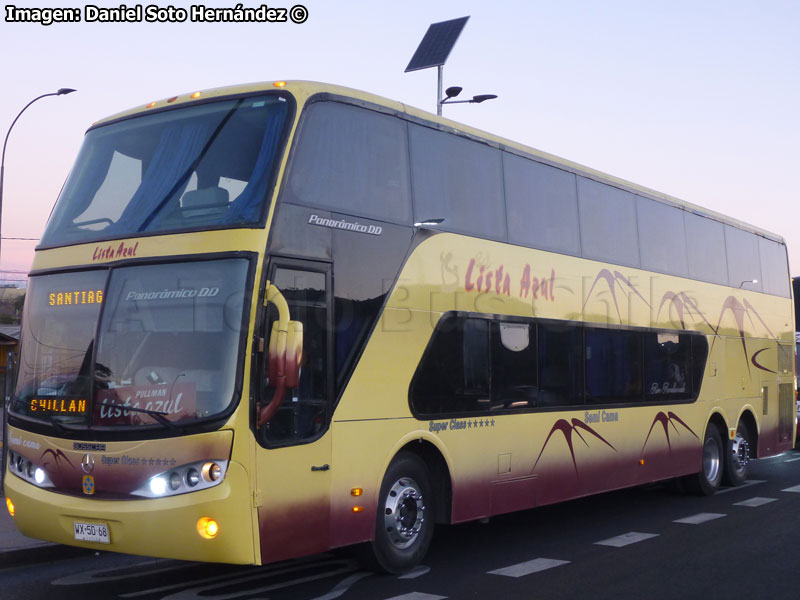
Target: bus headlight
column 186, row 478
column 28, row 470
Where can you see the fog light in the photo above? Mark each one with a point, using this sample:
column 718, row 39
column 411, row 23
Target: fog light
column 207, row 528
column 10, row 506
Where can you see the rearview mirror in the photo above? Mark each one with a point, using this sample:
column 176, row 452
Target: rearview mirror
column 285, row 354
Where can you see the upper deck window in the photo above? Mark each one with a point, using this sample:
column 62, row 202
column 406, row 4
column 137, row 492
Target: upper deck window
column 353, row 161
column 203, row 166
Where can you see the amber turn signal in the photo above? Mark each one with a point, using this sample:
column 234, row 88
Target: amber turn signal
column 207, row 527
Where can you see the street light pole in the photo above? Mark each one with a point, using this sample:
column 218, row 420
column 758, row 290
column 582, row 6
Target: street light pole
column 60, row 92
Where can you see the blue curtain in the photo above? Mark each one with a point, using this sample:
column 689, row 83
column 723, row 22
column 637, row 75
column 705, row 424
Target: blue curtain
column 178, row 148
column 247, row 207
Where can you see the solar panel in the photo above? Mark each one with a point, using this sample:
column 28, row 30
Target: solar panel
column 435, row 47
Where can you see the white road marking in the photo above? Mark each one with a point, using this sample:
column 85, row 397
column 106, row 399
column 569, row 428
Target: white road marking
column 260, row 578
column 341, row 587
column 795, row 489
column 531, row 566
column 699, row 518
column 417, row 596
column 747, row 483
column 417, row 571
column 755, row 502
column 626, row 538
column 792, row 459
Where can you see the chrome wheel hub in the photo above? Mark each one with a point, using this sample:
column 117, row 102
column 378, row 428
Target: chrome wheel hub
column 740, row 452
column 404, row 512
column 711, row 460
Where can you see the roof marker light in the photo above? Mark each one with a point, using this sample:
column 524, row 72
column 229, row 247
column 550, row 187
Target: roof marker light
column 279, row 84
column 196, row 95
column 172, row 99
column 152, row 104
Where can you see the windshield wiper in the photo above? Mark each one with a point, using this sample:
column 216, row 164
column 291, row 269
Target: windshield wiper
column 159, row 416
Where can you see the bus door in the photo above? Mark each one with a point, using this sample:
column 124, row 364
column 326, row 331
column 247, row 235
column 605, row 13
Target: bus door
column 294, row 454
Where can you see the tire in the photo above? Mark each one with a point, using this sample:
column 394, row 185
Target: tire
column 404, row 521
column 737, row 456
column 708, row 479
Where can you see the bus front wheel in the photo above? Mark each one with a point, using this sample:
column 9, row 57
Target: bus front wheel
column 404, row 523
column 707, row 481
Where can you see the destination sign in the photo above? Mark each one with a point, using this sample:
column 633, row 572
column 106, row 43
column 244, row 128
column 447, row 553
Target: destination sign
column 57, row 406
column 75, row 297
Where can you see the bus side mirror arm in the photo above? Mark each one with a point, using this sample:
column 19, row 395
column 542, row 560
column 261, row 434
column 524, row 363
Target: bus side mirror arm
column 284, row 354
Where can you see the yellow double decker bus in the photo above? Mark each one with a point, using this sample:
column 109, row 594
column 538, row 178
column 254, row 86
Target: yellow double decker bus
column 269, row 320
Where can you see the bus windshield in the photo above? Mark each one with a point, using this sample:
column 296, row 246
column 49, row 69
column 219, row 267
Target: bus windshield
column 207, row 165
column 163, row 338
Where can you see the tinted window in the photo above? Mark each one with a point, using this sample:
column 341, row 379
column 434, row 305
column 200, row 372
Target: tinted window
column 513, row 365
column 476, row 364
column 705, row 242
column 613, row 366
column 608, row 223
column 303, row 412
column 670, row 369
column 744, row 264
column 457, row 180
column 453, row 376
column 662, row 235
column 351, row 160
column 560, row 365
column 542, row 205
column 774, row 269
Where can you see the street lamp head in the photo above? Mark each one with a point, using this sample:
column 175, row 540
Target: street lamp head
column 483, row 97
column 453, row 91
column 63, row 91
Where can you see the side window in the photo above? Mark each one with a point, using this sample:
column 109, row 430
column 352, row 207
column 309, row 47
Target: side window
column 457, row 180
column 478, row 364
column 705, row 242
column 774, row 269
column 661, row 228
column 304, row 411
column 453, row 376
column 613, row 366
column 668, row 367
column 608, row 223
column 541, row 205
column 744, row 265
column 560, row 365
column 514, row 381
column 351, row 160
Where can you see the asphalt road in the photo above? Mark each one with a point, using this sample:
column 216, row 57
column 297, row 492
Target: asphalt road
column 649, row 542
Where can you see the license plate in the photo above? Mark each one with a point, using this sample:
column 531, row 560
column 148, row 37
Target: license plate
column 92, row 532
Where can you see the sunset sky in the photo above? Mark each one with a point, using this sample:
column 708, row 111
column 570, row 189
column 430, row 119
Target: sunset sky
column 698, row 100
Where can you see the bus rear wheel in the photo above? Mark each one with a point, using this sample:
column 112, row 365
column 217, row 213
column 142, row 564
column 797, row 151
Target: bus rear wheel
column 404, row 521
column 707, row 481
column 737, row 456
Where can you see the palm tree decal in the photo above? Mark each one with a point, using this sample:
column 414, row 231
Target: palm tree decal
column 568, row 429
